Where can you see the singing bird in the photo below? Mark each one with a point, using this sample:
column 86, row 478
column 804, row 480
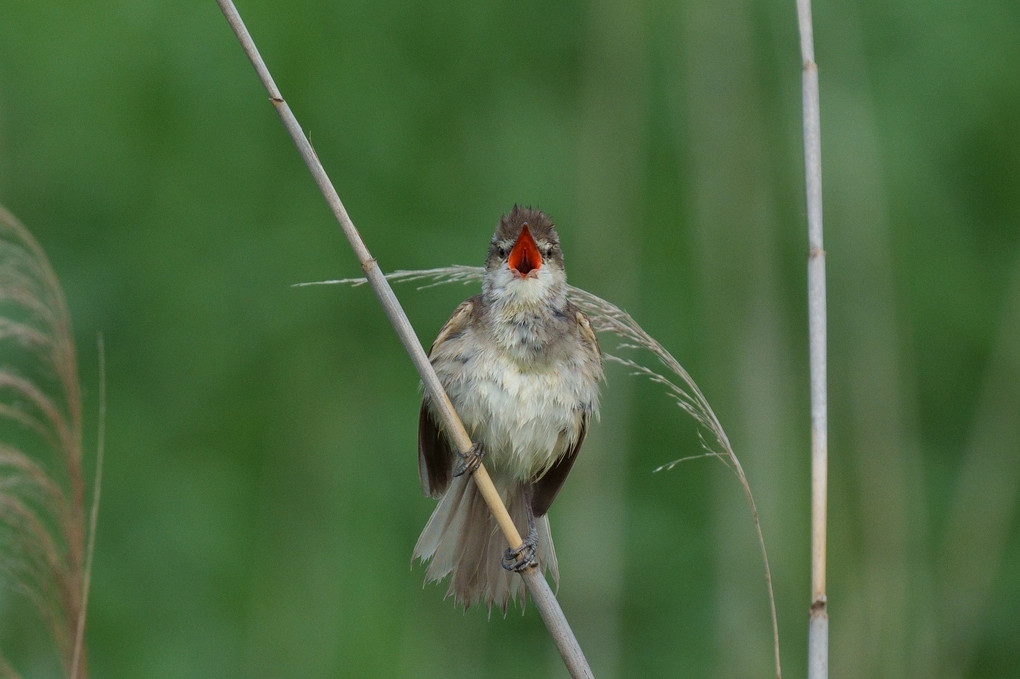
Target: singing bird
column 522, row 366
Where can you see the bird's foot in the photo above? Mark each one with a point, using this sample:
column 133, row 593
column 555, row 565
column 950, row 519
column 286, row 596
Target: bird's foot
column 524, row 556
column 469, row 461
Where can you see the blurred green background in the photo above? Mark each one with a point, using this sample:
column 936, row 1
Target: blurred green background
column 260, row 496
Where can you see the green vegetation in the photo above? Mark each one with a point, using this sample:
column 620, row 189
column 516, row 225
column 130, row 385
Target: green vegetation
column 260, row 493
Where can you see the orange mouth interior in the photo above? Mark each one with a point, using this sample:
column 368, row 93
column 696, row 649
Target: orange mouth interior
column 525, row 257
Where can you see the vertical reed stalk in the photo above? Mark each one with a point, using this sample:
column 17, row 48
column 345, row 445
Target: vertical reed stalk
column 818, row 626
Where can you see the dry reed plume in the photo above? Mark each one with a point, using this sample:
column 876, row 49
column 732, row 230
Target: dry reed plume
column 43, row 551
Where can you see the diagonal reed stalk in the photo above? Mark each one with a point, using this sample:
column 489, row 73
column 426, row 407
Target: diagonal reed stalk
column 608, row 318
column 43, row 550
column 605, row 316
column 541, row 593
column 818, row 624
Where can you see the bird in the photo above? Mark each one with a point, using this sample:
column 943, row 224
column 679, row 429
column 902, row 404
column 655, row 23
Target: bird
column 522, row 366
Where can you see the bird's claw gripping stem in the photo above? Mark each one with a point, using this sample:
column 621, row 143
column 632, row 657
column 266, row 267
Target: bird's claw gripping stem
column 469, row 461
column 524, row 556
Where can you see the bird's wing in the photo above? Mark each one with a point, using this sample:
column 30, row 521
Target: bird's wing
column 435, row 454
column 547, row 487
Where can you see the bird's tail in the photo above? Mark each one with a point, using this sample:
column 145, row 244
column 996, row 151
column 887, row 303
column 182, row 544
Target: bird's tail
column 463, row 541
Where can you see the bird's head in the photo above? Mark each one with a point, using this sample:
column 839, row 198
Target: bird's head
column 525, row 263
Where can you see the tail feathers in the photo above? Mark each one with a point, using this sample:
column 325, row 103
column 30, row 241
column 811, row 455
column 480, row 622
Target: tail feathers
column 462, row 540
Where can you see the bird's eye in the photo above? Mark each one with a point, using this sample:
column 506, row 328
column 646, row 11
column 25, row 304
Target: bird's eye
column 501, row 249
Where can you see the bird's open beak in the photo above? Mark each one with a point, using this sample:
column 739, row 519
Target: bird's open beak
column 525, row 259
